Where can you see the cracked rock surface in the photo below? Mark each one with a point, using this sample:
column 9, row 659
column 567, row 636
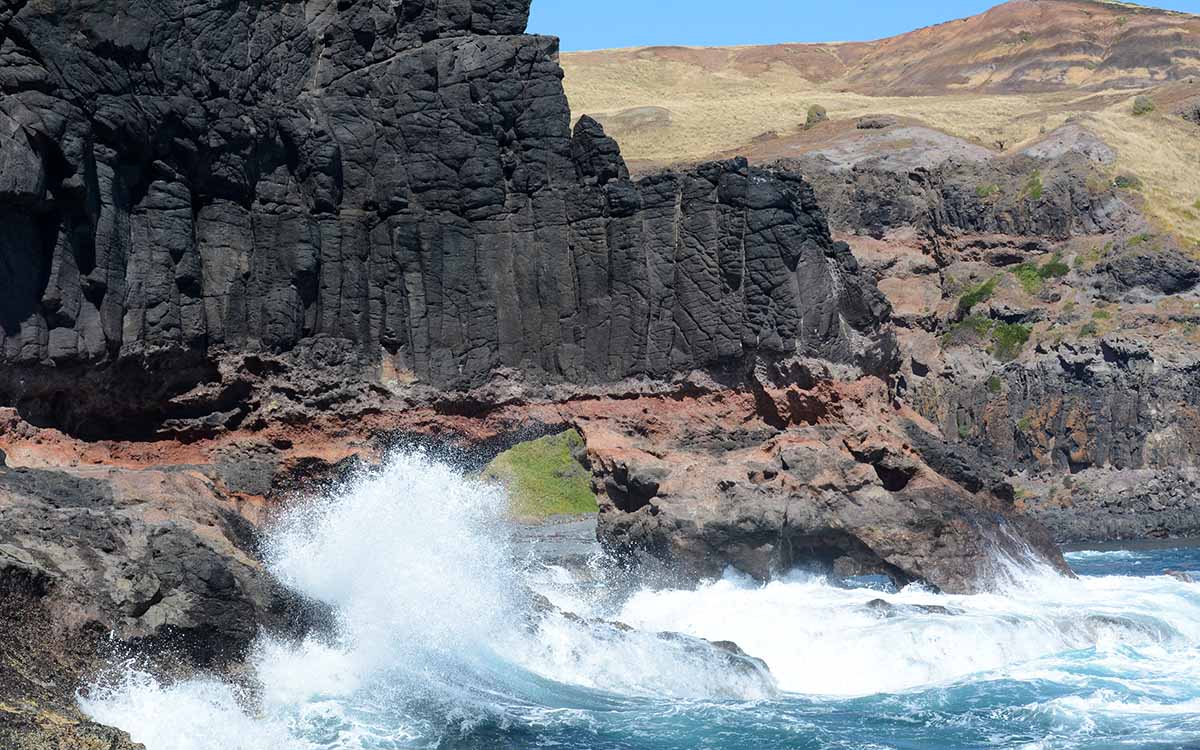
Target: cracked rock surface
column 188, row 178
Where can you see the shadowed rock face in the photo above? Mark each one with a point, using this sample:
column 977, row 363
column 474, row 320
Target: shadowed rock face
column 158, row 558
column 187, row 178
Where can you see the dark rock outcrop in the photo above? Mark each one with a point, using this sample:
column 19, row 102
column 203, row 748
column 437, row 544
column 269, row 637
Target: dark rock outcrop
column 1023, row 195
column 154, row 558
column 1107, row 404
column 97, row 563
column 182, row 180
column 822, row 476
column 1154, row 273
column 1105, row 505
column 912, row 177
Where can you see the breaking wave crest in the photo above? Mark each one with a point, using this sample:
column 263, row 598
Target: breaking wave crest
column 445, row 640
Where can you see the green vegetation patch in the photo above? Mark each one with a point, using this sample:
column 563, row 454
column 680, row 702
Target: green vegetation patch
column 983, row 192
column 1005, row 341
column 995, row 384
column 1054, row 268
column 1029, row 276
column 1143, row 105
column 1010, row 340
column 543, row 478
column 1102, row 315
column 1128, row 182
column 1033, row 276
column 977, row 295
column 1034, row 189
column 1138, row 240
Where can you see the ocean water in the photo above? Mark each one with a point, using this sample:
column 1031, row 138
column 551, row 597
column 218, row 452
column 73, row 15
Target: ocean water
column 440, row 645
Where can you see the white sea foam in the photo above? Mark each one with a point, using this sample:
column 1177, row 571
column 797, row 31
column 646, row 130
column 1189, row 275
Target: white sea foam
column 437, row 633
column 824, row 640
column 196, row 715
column 435, row 629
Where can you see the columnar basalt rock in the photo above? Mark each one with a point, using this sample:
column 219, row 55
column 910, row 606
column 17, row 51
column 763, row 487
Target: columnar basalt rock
column 185, row 179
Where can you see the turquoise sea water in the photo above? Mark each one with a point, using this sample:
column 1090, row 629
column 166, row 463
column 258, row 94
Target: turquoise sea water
column 438, row 647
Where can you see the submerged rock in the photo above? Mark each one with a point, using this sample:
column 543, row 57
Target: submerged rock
column 885, row 608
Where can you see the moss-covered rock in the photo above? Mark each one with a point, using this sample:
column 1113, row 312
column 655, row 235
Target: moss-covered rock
column 544, row 479
column 816, row 115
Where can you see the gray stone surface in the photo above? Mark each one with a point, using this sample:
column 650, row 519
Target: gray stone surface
column 185, row 178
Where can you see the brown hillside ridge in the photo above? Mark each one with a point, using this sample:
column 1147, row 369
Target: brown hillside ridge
column 1003, row 80
column 1022, row 46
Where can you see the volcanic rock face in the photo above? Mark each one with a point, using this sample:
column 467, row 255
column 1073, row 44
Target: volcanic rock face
column 1040, row 193
column 183, row 179
column 250, row 228
column 96, row 560
column 828, row 476
column 1113, row 404
column 157, row 557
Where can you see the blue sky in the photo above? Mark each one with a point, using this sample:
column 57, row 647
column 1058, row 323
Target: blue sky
column 634, row 23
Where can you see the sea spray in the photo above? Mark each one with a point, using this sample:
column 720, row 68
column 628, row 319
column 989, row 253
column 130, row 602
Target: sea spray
column 436, row 634
column 822, row 639
column 440, row 644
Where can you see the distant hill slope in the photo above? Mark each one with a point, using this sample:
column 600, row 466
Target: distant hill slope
column 1002, row 80
column 1022, row 46
column 1027, row 46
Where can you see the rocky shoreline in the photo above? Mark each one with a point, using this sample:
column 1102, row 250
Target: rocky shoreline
column 239, row 274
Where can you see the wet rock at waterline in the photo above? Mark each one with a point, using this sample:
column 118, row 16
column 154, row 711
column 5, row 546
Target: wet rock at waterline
column 153, row 558
column 828, row 477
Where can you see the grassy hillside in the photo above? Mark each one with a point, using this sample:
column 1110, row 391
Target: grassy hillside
column 1001, row 80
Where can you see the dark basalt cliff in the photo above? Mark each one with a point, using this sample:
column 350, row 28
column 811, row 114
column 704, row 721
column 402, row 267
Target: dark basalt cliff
column 183, row 179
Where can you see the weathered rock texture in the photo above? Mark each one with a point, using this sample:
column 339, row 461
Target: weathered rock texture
column 181, row 179
column 944, row 187
column 1107, row 404
column 1108, row 505
column 158, row 558
column 827, row 476
column 99, row 562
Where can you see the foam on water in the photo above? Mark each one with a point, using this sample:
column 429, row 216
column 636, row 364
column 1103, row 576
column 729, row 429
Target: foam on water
column 435, row 629
column 440, row 645
column 825, row 640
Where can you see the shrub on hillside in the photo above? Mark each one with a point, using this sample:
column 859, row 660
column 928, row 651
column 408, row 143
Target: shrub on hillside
column 816, row 115
column 1128, row 182
column 1143, row 105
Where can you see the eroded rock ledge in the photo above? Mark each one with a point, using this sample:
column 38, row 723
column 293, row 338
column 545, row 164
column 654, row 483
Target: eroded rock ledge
column 185, row 181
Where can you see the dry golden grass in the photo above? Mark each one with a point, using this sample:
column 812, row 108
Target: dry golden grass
column 715, row 112
column 718, row 112
column 1164, row 152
